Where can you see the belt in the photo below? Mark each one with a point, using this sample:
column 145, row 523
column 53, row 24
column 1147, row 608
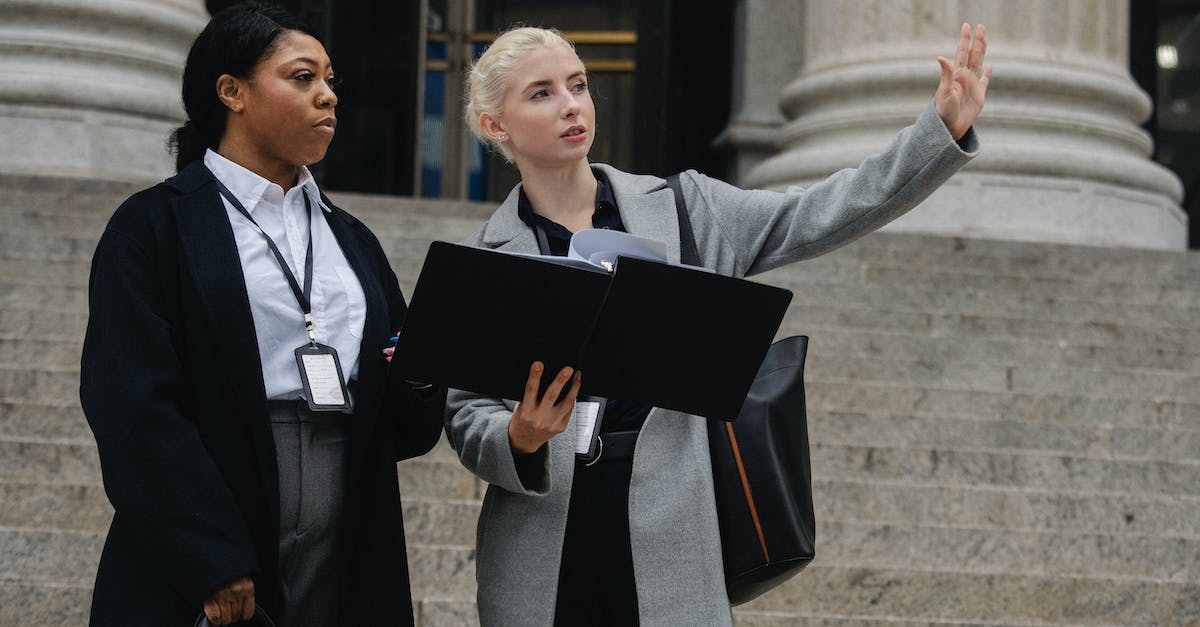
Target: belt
column 616, row 446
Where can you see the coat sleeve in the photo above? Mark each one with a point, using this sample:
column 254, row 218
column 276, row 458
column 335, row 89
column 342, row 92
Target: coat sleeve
column 477, row 427
column 765, row 229
column 163, row 484
column 419, row 411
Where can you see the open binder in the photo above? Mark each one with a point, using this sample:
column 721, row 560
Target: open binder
column 667, row 335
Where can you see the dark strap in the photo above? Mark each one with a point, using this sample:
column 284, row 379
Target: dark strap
column 688, row 253
column 302, row 295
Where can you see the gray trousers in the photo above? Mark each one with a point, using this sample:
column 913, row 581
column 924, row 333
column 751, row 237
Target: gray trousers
column 311, row 449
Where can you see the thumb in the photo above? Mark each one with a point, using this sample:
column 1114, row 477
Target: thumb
column 947, row 68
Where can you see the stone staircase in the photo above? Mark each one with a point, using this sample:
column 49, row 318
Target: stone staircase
column 1002, row 433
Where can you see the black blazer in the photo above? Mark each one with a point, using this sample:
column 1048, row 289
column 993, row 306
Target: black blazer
column 172, row 386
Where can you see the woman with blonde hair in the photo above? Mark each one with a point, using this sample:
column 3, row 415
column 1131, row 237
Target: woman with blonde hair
column 633, row 539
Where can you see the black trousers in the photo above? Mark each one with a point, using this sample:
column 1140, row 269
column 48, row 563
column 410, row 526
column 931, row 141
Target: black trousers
column 595, row 581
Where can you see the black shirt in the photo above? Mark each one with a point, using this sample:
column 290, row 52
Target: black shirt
column 619, row 415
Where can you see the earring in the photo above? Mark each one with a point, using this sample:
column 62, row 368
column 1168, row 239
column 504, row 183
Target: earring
column 503, row 137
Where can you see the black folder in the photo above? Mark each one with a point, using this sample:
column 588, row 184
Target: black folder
column 670, row 336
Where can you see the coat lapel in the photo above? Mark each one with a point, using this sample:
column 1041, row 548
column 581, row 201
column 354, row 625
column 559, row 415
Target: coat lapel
column 211, row 257
column 371, row 373
column 647, row 207
column 505, row 230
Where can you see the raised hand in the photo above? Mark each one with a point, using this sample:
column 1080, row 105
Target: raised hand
column 535, row 420
column 960, row 93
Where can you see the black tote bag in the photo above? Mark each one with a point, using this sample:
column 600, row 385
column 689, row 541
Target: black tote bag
column 762, row 479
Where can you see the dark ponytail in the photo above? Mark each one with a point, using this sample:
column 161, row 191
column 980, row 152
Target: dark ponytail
column 233, row 42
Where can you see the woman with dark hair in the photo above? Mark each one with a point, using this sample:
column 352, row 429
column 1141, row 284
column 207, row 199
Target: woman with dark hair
column 247, row 424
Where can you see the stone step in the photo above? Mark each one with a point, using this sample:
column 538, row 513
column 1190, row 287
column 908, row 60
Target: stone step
column 27, row 300
column 42, row 324
column 905, row 400
column 809, row 319
column 63, row 351
column 864, row 591
column 73, row 463
column 1094, row 440
column 78, row 463
column 981, row 467
column 949, row 298
column 1026, row 508
column 41, row 247
column 60, row 421
column 1007, row 258
column 57, row 354
column 446, row 513
column 39, row 556
column 1026, row 379
column 436, row 612
column 44, row 604
column 54, row 507
column 1003, row 551
column 976, row 598
column 48, row 385
column 899, row 346
column 72, row 274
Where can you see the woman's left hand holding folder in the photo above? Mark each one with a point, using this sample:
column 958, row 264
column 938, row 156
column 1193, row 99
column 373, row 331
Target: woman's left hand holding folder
column 535, row 421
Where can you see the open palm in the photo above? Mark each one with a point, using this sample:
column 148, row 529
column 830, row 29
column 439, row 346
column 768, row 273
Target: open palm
column 960, row 93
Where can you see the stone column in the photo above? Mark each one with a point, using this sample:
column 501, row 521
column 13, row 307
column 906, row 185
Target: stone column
column 1064, row 157
column 767, row 48
column 90, row 88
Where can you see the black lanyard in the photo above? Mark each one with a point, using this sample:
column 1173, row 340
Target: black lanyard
column 302, row 296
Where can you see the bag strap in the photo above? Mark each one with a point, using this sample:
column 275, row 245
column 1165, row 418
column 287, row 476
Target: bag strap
column 688, row 253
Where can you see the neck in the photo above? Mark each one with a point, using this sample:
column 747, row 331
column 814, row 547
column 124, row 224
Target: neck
column 285, row 175
column 566, row 195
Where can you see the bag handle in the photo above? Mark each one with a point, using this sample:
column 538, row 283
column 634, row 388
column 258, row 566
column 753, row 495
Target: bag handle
column 688, row 253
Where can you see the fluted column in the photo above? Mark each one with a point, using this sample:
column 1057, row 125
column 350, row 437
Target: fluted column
column 1064, row 158
column 90, row 88
column 767, row 48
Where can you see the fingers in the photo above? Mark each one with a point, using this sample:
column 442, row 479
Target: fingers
column 557, row 384
column 962, row 54
column 573, row 393
column 532, row 384
column 978, row 50
column 212, row 611
column 986, row 78
column 947, row 69
column 243, row 599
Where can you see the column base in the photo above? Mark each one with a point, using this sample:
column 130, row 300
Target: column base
column 1051, row 210
column 82, row 143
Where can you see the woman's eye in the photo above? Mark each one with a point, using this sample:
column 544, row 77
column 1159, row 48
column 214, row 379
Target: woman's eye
column 580, row 86
column 305, row 76
column 333, row 81
column 541, row 93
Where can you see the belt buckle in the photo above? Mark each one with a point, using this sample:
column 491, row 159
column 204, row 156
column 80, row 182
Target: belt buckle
column 599, row 451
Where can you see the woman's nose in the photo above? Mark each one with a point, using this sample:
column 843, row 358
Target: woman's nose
column 327, row 97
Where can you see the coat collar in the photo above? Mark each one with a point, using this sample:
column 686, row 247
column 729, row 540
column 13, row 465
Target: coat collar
column 646, row 205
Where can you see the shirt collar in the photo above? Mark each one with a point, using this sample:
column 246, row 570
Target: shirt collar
column 606, row 201
column 250, row 188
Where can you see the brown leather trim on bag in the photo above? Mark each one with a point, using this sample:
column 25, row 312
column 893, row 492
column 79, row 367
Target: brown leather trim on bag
column 737, row 457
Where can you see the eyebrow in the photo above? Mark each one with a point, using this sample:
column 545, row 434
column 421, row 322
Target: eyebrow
column 308, row 60
column 545, row 81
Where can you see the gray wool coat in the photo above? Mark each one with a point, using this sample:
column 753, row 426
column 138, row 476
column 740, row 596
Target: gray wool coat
column 672, row 516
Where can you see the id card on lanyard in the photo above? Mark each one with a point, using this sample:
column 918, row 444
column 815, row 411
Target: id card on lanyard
column 318, row 364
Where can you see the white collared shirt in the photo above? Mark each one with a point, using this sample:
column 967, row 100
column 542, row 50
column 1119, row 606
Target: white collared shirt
column 338, row 305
